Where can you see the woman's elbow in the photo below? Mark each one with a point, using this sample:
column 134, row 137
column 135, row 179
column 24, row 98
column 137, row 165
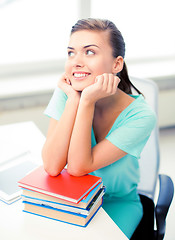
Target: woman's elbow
column 76, row 171
column 52, row 171
column 50, row 167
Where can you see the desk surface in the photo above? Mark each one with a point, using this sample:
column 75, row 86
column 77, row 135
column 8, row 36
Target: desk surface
column 15, row 224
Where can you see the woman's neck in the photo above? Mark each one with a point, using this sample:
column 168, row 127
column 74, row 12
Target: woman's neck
column 117, row 103
column 108, row 102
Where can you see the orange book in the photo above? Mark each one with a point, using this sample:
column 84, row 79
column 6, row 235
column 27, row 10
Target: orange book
column 64, row 186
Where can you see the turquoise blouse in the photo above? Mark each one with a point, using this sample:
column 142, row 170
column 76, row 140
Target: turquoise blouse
column 130, row 133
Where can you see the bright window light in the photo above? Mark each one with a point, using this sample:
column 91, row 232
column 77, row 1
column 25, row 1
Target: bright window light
column 147, row 26
column 35, row 30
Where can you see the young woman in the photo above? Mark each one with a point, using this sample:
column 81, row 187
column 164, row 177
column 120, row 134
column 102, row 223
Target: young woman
column 97, row 126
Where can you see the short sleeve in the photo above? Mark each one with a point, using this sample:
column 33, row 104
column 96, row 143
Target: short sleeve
column 56, row 105
column 132, row 134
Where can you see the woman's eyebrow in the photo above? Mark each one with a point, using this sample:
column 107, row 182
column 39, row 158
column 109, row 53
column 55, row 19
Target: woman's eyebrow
column 71, row 48
column 90, row 45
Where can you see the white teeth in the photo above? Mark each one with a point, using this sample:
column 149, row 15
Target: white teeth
column 79, row 75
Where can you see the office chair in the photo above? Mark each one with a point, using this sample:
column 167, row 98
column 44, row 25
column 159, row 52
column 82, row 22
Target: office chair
column 154, row 213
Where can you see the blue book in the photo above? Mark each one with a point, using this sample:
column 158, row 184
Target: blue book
column 67, row 216
column 66, row 207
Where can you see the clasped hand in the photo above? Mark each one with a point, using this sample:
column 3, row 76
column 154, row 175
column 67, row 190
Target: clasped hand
column 104, row 85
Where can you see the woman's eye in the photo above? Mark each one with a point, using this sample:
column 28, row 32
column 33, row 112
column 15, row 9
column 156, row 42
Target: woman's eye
column 70, row 54
column 90, row 52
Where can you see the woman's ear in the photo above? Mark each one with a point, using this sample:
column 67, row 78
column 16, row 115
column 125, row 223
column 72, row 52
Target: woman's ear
column 118, row 65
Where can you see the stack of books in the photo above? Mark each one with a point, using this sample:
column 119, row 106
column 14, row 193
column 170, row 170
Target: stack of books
column 66, row 198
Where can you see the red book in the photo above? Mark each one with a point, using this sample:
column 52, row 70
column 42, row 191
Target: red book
column 63, row 186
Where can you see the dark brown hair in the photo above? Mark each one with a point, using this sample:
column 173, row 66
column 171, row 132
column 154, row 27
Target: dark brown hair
column 116, row 41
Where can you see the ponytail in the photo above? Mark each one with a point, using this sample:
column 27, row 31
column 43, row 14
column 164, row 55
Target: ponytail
column 125, row 84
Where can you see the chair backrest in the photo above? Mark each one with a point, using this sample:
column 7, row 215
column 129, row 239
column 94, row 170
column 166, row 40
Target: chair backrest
column 149, row 160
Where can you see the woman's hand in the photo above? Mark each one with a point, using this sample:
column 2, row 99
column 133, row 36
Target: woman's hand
column 65, row 84
column 105, row 85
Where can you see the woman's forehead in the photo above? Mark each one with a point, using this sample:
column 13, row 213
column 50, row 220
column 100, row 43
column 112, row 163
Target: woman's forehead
column 89, row 37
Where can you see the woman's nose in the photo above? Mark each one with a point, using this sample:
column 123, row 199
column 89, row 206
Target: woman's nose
column 78, row 61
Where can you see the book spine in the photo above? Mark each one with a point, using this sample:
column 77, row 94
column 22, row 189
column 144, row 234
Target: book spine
column 56, row 209
column 55, row 205
column 65, row 207
column 67, row 221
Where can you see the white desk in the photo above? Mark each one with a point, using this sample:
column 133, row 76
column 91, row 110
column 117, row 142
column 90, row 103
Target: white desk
column 17, row 225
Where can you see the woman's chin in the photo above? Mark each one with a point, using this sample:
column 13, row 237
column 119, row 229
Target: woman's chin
column 78, row 87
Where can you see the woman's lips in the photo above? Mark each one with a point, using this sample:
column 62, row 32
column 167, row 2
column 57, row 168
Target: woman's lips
column 80, row 75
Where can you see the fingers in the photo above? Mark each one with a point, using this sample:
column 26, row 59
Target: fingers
column 63, row 79
column 108, row 83
column 68, row 81
column 115, row 84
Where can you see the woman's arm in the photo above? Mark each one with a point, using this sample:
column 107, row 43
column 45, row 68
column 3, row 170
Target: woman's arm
column 56, row 147
column 83, row 159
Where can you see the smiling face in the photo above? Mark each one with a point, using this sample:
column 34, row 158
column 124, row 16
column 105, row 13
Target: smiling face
column 89, row 55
